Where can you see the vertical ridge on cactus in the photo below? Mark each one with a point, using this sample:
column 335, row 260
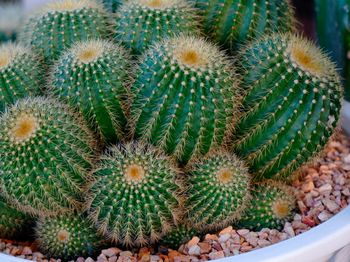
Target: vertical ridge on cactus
column 184, row 97
column 45, row 153
column 140, row 23
column 291, row 107
column 20, row 74
column 272, row 205
column 135, row 197
column 63, row 22
column 92, row 76
column 234, row 22
column 67, row 237
column 218, row 191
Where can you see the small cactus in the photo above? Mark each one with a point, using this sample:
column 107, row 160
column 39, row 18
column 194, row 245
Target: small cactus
column 135, row 198
column 235, row 22
column 291, row 107
column 64, row 22
column 178, row 236
column 218, row 191
column 140, row 23
column 45, row 155
column 184, row 97
column 20, row 74
column 67, row 237
column 92, row 76
column 13, row 224
column 271, row 206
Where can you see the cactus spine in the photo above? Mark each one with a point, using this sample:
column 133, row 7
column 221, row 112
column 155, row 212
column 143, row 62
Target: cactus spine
column 218, row 191
column 20, row 74
column 45, row 155
column 272, row 205
column 92, row 76
column 63, row 22
column 135, row 198
column 234, row 22
column 141, row 22
column 184, row 97
column 67, row 237
column 291, row 107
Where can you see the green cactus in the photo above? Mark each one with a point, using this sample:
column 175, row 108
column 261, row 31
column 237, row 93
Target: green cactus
column 92, row 76
column 45, row 153
column 291, row 107
column 218, row 191
column 178, row 236
column 20, row 74
column 13, row 224
column 112, row 5
column 64, row 22
column 272, row 205
column 67, row 237
column 184, row 97
column 232, row 23
column 10, row 21
column 140, row 23
column 135, row 198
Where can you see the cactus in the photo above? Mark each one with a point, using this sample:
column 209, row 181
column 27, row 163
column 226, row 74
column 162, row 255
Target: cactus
column 67, row 237
column 139, row 23
column 291, row 107
column 184, row 97
column 63, row 22
column 218, row 191
column 135, row 198
column 13, row 224
column 45, row 154
column 20, row 74
column 10, row 21
column 178, row 236
column 112, row 5
column 232, row 23
column 272, row 205
column 91, row 76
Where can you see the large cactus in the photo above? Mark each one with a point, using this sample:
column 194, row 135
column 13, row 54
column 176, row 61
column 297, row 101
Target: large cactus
column 184, row 97
column 233, row 22
column 291, row 107
column 45, row 153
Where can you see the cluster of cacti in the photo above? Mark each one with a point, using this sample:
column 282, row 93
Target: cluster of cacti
column 172, row 121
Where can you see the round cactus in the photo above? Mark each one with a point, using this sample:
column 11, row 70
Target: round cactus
column 67, row 237
column 13, row 224
column 271, row 206
column 20, row 74
column 45, row 155
column 139, row 23
column 92, row 76
column 178, row 236
column 112, row 5
column 218, row 191
column 184, row 97
column 234, row 22
column 135, row 198
column 63, row 22
column 291, row 107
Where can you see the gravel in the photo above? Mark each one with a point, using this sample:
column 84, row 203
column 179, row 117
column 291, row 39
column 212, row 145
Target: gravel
column 323, row 190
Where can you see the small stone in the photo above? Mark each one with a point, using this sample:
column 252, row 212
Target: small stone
column 307, row 187
column 194, row 241
column 246, row 248
column 331, row 205
column 263, row 243
column 102, row 258
column 242, row 232
column 89, row 259
column 205, row 247
column 110, row 252
column 325, row 189
column 80, row 259
column 227, row 230
column 211, row 237
column 155, row 258
column 324, row 215
column 125, row 254
column 217, row 255
column 113, row 259
column 289, row 229
column 223, row 238
column 27, row 251
column 194, row 250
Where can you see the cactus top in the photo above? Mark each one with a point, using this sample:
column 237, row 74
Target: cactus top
column 89, row 51
column 9, row 53
column 158, row 4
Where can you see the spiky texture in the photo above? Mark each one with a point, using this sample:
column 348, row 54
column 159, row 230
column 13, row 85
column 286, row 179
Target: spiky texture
column 178, row 236
column 234, row 22
column 67, row 237
column 218, row 190
column 135, row 198
column 140, row 23
column 271, row 206
column 91, row 76
column 64, row 22
column 13, row 224
column 10, row 20
column 112, row 5
column 45, row 153
column 291, row 107
column 185, row 95
column 20, row 74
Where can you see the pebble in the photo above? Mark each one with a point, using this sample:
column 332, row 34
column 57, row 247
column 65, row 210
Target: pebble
column 194, row 241
column 194, row 250
column 110, row 252
column 217, row 255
